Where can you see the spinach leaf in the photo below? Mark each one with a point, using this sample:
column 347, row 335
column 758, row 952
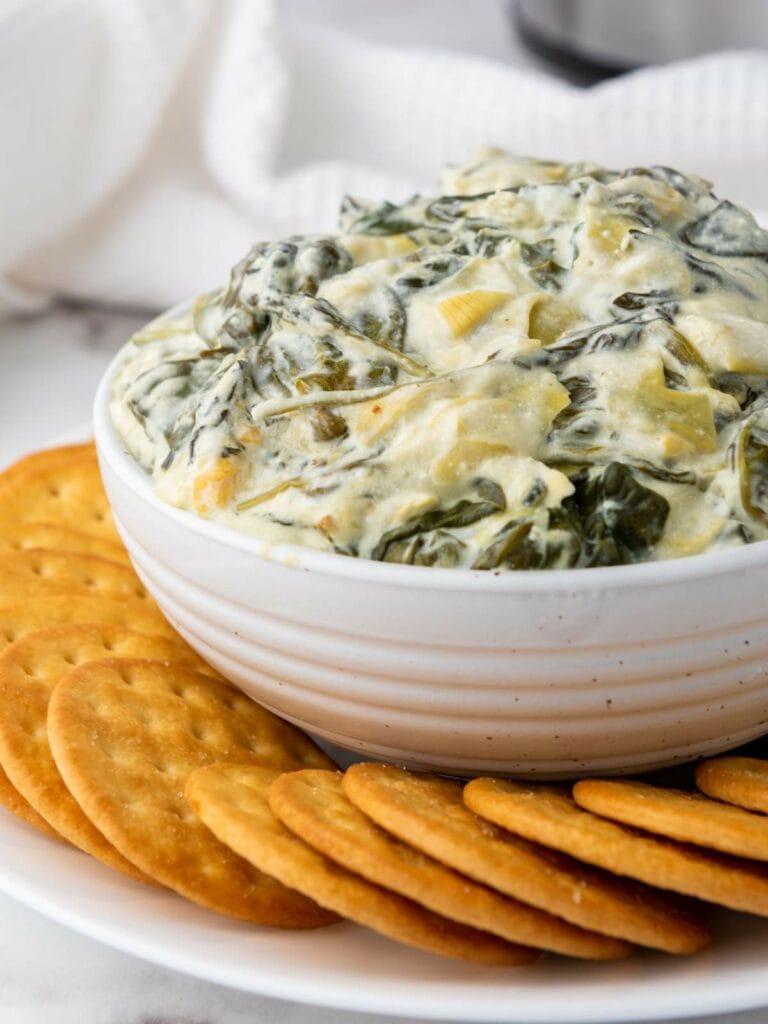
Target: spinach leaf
column 510, row 547
column 446, row 209
column 637, row 206
column 619, row 335
column 747, row 389
column 544, row 270
column 488, row 500
column 384, row 219
column 553, row 538
column 621, row 519
column 728, row 230
column 385, row 322
column 294, row 266
column 423, row 272
column 439, row 548
column 658, row 298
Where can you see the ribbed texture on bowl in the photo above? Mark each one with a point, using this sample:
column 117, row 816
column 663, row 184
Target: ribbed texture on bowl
column 559, row 673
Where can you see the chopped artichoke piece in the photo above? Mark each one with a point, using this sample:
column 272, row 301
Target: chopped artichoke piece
column 468, row 309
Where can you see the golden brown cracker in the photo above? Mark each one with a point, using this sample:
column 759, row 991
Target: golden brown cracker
column 28, row 616
column 429, row 813
column 35, row 462
column 742, row 781
column 29, row 670
column 313, row 805
column 233, row 802
column 67, row 491
column 24, row 536
column 686, row 817
column 16, row 620
column 126, row 733
column 13, row 801
column 549, row 815
column 36, row 573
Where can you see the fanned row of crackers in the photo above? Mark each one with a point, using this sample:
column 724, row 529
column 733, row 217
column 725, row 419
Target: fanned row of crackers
column 116, row 737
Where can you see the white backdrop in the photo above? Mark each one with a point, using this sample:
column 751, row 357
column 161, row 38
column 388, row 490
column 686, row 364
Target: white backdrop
column 146, row 144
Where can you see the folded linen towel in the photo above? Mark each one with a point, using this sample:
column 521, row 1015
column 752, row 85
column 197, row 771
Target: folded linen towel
column 146, row 146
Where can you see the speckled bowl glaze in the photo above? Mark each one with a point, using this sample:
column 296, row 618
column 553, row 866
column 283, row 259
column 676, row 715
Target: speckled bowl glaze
column 552, row 673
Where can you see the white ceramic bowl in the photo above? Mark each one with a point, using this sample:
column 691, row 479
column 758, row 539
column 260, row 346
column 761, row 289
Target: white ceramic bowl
column 549, row 672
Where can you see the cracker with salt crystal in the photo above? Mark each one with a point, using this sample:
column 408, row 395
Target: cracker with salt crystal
column 29, row 670
column 549, row 815
column 42, row 460
column 233, row 802
column 686, row 817
column 16, row 620
column 12, row 800
column 25, row 536
column 126, row 734
column 313, row 805
column 429, row 813
column 67, row 491
column 742, row 781
column 32, row 574
column 28, row 616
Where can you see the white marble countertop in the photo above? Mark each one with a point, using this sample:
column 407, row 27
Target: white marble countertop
column 49, row 366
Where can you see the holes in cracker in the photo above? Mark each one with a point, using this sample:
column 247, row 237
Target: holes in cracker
column 123, row 674
column 184, row 814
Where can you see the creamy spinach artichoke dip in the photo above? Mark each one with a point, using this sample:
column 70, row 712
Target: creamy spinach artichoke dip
column 547, row 366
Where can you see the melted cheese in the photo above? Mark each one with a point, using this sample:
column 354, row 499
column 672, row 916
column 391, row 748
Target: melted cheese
column 512, row 374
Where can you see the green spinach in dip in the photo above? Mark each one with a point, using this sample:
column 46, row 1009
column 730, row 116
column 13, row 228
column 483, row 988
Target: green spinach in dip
column 548, row 366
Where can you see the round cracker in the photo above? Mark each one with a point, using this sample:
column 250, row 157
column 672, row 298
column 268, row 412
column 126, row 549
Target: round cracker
column 126, row 733
column 67, row 491
column 429, row 813
column 312, row 804
column 35, row 573
column 12, row 800
column 30, row 668
column 27, row 617
column 23, row 536
column 16, row 620
column 549, row 815
column 686, row 817
column 742, row 781
column 44, row 459
column 233, row 802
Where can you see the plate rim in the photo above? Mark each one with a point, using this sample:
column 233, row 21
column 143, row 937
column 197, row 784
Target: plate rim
column 653, row 999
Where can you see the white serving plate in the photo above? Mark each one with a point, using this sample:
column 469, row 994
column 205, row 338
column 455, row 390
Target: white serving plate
column 350, row 968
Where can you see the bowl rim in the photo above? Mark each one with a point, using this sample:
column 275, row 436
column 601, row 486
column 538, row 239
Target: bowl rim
column 596, row 578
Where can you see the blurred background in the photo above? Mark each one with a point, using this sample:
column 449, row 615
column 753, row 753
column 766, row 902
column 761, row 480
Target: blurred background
column 148, row 144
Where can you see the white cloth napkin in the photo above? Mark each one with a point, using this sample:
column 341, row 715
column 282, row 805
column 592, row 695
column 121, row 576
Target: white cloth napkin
column 146, row 145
